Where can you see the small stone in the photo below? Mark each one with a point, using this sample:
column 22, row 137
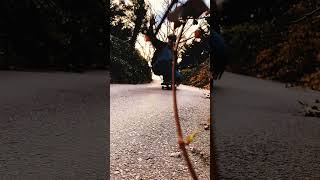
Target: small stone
column 117, row 172
column 192, row 149
column 138, row 177
column 139, row 159
column 176, row 155
column 207, row 127
column 202, row 154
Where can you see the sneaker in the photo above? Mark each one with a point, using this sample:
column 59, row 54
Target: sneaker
column 166, row 83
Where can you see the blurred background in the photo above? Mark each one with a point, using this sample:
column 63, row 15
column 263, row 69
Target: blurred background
column 53, row 35
column 274, row 39
column 131, row 53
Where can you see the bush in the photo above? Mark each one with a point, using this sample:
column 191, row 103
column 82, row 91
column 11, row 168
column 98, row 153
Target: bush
column 312, row 80
column 293, row 58
column 198, row 76
column 282, row 49
column 127, row 65
column 245, row 41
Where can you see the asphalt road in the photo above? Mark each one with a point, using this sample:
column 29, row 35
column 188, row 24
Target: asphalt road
column 53, row 125
column 260, row 133
column 143, row 132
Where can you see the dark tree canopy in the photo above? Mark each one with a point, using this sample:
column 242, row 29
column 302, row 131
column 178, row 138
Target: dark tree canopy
column 55, row 33
column 235, row 12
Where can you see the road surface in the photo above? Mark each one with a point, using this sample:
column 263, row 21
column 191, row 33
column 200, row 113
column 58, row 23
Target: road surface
column 260, row 133
column 143, row 132
column 53, row 125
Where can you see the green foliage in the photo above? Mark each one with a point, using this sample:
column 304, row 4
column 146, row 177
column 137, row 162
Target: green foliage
column 245, row 42
column 119, row 20
column 195, row 53
column 293, row 58
column 126, row 20
column 312, row 80
column 195, row 64
column 279, row 48
column 198, row 76
column 140, row 12
column 127, row 65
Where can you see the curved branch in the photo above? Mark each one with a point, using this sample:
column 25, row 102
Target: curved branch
column 181, row 143
column 165, row 15
column 306, row 16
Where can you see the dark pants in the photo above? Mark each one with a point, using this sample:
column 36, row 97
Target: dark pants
column 164, row 68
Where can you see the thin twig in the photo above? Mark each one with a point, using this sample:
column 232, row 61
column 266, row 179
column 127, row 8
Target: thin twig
column 162, row 34
column 181, row 142
column 306, row 15
column 144, row 54
column 186, row 39
column 165, row 15
column 203, row 17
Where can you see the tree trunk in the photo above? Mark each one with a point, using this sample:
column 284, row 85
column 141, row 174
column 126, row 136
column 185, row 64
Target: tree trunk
column 140, row 13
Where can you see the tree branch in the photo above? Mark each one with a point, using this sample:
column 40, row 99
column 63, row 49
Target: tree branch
column 306, row 16
column 181, row 143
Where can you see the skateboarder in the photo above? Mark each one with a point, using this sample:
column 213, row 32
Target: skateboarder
column 163, row 57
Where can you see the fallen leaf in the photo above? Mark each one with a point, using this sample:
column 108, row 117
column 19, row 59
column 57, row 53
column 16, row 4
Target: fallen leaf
column 190, row 138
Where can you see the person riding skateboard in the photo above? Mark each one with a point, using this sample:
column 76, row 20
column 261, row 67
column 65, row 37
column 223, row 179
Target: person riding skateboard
column 163, row 57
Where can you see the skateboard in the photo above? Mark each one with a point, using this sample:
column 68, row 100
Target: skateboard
column 166, row 86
